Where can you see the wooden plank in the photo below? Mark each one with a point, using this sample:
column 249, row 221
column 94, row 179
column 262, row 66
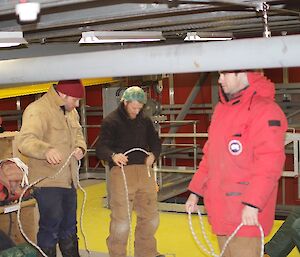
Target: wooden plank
column 29, row 221
column 8, row 213
column 8, row 146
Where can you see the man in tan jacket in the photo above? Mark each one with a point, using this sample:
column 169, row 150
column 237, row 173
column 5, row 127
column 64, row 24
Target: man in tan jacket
column 50, row 133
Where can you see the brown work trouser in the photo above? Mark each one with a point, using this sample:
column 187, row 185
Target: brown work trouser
column 143, row 198
column 241, row 246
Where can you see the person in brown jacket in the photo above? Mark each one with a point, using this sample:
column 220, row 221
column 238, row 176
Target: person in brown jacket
column 125, row 129
column 51, row 133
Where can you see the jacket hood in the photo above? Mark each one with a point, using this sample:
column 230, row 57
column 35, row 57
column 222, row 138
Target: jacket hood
column 261, row 85
column 258, row 85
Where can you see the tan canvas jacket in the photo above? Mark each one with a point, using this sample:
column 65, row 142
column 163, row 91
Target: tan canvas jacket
column 45, row 126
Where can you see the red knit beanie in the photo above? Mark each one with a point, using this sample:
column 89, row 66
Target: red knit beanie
column 71, row 88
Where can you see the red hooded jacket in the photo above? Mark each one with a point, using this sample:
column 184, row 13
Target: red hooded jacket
column 243, row 158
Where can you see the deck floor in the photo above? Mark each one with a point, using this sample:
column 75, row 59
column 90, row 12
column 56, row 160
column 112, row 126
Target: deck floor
column 174, row 238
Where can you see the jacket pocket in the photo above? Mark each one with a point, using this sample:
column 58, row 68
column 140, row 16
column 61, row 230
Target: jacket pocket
column 233, row 193
column 74, row 126
column 58, row 134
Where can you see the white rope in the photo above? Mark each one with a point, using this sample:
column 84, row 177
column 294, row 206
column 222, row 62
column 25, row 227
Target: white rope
column 36, row 182
column 127, row 197
column 82, row 211
column 22, row 166
column 211, row 251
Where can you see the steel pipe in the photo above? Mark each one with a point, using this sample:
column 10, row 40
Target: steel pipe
column 275, row 52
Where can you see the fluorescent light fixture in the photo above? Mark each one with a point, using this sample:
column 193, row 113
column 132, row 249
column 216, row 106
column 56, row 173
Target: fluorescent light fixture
column 11, row 38
column 27, row 12
column 207, row 36
column 94, row 37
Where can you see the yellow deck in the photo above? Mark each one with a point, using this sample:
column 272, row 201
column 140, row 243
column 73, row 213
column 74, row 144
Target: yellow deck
column 173, row 235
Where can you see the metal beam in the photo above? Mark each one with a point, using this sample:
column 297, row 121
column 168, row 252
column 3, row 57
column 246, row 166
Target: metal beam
column 194, row 57
column 187, row 105
column 84, row 16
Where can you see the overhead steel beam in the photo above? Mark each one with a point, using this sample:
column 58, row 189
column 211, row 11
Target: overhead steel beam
column 169, row 23
column 272, row 52
column 87, row 16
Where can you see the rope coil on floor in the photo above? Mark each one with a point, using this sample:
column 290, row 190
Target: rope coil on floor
column 211, row 251
column 52, row 177
column 127, row 196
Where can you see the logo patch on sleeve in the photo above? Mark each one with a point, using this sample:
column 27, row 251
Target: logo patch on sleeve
column 235, row 147
column 274, row 123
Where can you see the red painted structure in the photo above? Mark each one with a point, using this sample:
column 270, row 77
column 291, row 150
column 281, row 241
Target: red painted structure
column 183, row 84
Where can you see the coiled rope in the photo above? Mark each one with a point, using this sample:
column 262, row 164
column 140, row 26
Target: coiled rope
column 127, row 196
column 211, row 251
column 52, row 177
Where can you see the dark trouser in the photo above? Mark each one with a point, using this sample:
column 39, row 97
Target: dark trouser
column 143, row 198
column 57, row 208
column 287, row 236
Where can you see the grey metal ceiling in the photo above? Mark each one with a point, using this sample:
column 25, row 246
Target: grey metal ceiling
column 53, row 51
column 61, row 21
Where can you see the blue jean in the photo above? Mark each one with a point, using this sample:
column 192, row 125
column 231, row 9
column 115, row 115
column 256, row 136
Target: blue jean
column 57, row 208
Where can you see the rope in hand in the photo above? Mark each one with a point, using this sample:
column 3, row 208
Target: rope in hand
column 211, row 252
column 127, row 196
column 52, row 177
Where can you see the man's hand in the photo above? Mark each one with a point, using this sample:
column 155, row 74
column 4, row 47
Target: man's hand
column 53, row 156
column 120, row 159
column 250, row 216
column 78, row 153
column 150, row 160
column 191, row 203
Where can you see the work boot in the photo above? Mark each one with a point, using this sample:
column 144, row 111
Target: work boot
column 50, row 251
column 69, row 246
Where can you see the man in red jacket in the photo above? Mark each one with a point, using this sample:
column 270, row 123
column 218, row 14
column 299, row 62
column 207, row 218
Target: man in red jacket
column 242, row 163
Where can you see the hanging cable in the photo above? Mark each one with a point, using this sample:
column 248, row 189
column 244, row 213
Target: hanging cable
column 264, row 7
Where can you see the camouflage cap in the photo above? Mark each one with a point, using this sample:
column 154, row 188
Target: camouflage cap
column 134, row 93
